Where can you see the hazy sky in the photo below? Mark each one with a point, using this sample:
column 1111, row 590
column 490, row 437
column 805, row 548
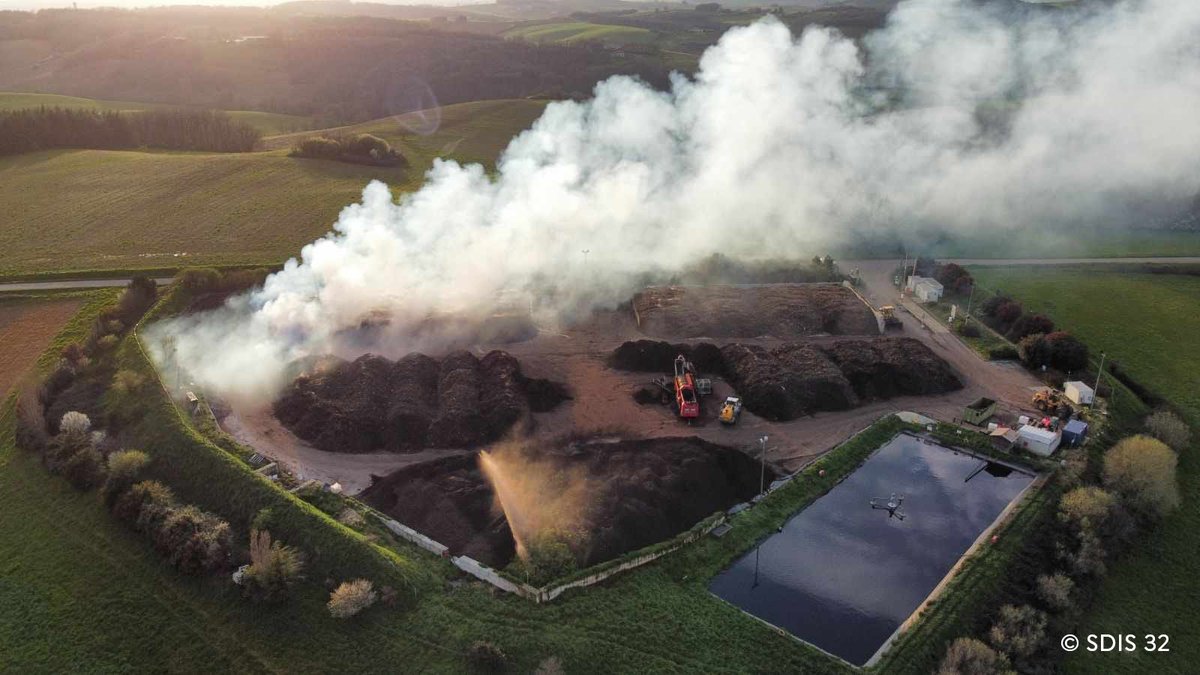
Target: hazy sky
column 43, row 4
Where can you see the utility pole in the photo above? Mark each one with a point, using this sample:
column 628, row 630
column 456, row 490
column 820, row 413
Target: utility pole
column 586, row 251
column 1099, row 372
column 969, row 298
column 762, row 459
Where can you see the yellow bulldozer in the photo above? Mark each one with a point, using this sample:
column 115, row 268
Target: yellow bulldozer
column 890, row 320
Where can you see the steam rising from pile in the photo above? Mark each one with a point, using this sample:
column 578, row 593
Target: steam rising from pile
column 536, row 496
column 965, row 117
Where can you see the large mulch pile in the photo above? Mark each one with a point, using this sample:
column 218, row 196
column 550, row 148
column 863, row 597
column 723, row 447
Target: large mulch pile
column 373, row 403
column 889, row 367
column 640, row 492
column 775, row 310
column 796, row 378
column 786, row 382
column 652, row 356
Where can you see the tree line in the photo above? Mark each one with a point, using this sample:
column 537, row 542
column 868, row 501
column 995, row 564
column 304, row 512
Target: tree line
column 46, row 128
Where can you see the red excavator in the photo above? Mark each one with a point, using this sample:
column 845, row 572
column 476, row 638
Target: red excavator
column 685, row 389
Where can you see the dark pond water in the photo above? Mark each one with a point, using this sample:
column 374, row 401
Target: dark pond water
column 842, row 575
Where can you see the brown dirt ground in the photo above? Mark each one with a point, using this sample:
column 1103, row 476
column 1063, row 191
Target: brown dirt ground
column 603, row 401
column 768, row 310
column 26, row 328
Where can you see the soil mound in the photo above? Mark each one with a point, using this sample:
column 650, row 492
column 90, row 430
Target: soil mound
column 889, row 367
column 653, row 356
column 653, row 489
column 640, row 492
column 449, row 501
column 787, row 382
column 373, row 403
column 777, row 310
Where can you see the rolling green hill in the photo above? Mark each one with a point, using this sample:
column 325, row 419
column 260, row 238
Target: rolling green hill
column 267, row 123
column 99, row 209
column 568, row 32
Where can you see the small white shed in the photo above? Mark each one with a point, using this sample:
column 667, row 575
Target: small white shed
column 1038, row 441
column 925, row 289
column 1079, row 392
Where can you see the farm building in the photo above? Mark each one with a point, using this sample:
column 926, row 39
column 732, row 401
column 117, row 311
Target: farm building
column 1079, row 392
column 924, row 289
column 1075, row 432
column 1038, row 441
column 979, row 412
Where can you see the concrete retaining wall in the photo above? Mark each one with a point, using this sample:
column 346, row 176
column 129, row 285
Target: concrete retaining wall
column 548, row 593
column 411, row 535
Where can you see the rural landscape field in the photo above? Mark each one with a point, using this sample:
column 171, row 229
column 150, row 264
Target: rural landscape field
column 595, row 336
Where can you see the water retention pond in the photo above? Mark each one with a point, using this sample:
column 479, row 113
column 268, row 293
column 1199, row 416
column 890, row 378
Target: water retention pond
column 843, row 574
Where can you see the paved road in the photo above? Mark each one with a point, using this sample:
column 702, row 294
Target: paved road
column 847, row 264
column 1183, row 260
column 68, row 284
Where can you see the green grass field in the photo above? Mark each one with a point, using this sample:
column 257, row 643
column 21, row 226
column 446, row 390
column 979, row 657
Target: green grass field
column 98, row 209
column 267, row 123
column 569, row 32
column 1150, row 323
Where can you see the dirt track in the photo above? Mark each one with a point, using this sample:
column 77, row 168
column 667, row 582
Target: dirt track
column 258, row 428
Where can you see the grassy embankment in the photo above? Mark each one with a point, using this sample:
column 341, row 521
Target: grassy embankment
column 1150, row 324
column 125, row 210
column 267, row 123
column 658, row 618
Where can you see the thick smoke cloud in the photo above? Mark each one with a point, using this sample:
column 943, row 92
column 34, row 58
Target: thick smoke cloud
column 957, row 116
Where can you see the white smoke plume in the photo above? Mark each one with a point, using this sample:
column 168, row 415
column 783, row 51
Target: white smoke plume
column 956, row 116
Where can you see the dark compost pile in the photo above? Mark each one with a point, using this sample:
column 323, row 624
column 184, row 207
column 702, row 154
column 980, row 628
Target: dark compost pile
column 640, row 492
column 373, row 403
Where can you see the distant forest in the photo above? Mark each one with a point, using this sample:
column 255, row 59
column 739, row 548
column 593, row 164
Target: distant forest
column 50, row 128
column 337, row 70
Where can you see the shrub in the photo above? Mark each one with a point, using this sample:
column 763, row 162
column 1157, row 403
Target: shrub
column 193, row 541
column 1009, row 312
column 1018, row 631
column 274, row 568
column 320, row 148
column 1030, row 324
column 548, row 556
column 74, row 423
column 1085, row 507
column 1005, row 352
column 485, row 657
column 954, row 277
column 968, row 656
column 1055, row 590
column 30, row 432
column 84, row 469
column 136, row 300
column 968, row 329
column 1067, row 352
column 351, row 598
column 1168, row 428
column 129, row 505
column 992, row 305
column 1142, row 470
column 1089, row 556
column 199, row 279
column 124, row 467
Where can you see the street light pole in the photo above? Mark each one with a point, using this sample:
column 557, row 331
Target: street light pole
column 762, row 460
